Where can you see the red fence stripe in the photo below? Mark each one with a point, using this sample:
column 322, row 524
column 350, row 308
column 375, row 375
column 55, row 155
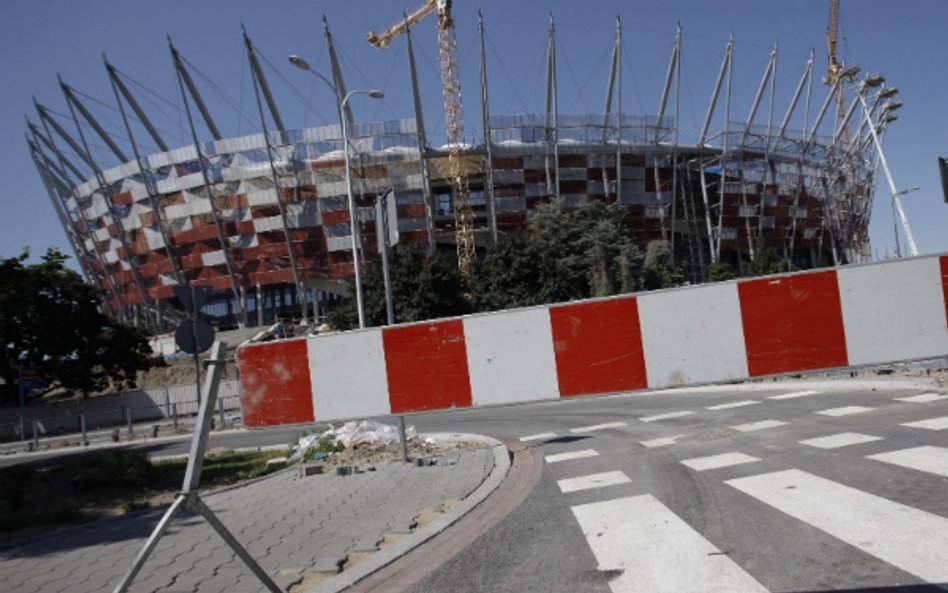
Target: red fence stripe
column 276, row 383
column 427, row 366
column 793, row 323
column 598, row 347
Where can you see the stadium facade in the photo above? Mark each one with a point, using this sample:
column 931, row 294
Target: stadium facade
column 264, row 218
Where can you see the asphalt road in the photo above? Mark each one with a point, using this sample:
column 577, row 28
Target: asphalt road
column 735, row 502
column 782, row 487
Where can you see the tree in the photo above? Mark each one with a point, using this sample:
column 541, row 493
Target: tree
column 564, row 254
column 422, row 288
column 719, row 272
column 50, row 318
column 660, row 270
column 766, row 261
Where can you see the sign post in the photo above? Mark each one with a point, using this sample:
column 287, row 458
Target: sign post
column 386, row 226
column 194, row 335
column 32, row 377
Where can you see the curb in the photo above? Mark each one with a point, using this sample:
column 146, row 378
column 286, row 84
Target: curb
column 390, row 554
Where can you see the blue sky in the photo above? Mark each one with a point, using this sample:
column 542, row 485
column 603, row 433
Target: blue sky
column 40, row 38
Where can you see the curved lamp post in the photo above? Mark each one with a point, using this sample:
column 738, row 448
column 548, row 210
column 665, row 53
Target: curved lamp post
column 341, row 103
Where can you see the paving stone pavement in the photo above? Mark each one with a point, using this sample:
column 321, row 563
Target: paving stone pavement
column 289, row 524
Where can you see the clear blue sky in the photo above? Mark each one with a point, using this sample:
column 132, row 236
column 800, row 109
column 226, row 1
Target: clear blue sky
column 40, row 38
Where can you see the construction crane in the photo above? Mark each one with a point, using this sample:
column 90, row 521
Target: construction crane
column 453, row 118
column 834, row 68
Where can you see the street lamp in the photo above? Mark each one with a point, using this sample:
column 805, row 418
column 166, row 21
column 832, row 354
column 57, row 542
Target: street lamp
column 341, row 103
column 897, row 202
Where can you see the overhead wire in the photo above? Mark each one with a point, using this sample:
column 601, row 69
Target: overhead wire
column 220, row 92
column 287, row 82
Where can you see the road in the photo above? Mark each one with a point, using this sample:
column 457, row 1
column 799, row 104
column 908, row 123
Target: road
column 796, row 486
column 791, row 488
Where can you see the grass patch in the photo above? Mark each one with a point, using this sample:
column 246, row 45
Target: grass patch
column 110, row 483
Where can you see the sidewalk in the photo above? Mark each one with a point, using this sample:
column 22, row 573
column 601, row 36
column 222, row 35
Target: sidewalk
column 301, row 530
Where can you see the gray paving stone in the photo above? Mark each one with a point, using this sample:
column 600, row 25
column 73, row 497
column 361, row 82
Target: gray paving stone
column 287, row 523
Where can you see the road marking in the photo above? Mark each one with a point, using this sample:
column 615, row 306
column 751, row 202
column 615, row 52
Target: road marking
column 923, row 398
column 910, row 539
column 845, row 411
column 661, row 442
column 595, row 427
column 761, row 425
column 539, row 437
column 793, row 395
column 933, row 460
column 940, row 423
column 655, row 551
column 843, row 439
column 665, row 416
column 593, row 481
column 701, row 464
column 748, row 402
column 571, row 455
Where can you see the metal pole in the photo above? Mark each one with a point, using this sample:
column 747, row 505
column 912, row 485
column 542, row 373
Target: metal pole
column 381, row 226
column 22, row 407
column 128, row 417
column 913, row 249
column 220, row 408
column 174, row 416
column 353, row 227
column 402, row 437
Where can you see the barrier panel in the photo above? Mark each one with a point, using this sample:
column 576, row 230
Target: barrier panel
column 861, row 315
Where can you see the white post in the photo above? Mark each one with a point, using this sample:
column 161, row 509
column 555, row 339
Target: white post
column 913, row 249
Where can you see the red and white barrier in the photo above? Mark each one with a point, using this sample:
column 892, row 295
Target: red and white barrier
column 852, row 316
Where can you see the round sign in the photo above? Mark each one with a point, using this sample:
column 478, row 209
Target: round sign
column 185, row 335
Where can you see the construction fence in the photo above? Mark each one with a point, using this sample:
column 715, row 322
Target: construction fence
column 109, row 411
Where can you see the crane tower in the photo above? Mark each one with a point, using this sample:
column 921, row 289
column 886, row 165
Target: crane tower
column 453, row 117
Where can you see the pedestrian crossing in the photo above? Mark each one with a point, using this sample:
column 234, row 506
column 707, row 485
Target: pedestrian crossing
column 912, row 540
column 649, row 547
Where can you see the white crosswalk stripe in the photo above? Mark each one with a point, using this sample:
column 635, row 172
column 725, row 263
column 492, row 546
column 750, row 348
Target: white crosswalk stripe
column 660, row 442
column 655, row 551
column 717, row 461
column 940, row 423
column 666, row 416
column 592, row 481
column 923, row 398
column 845, row 411
column 793, row 395
column 595, row 427
column 843, row 439
column 740, row 404
column 933, row 460
column 557, row 457
column 907, row 538
column 539, row 437
column 761, row 425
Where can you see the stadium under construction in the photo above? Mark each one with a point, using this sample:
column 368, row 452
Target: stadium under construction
column 266, row 219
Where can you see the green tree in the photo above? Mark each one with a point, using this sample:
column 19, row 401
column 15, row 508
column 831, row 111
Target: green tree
column 564, row 254
column 660, row 270
column 719, row 272
column 766, row 261
column 422, row 288
column 51, row 318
